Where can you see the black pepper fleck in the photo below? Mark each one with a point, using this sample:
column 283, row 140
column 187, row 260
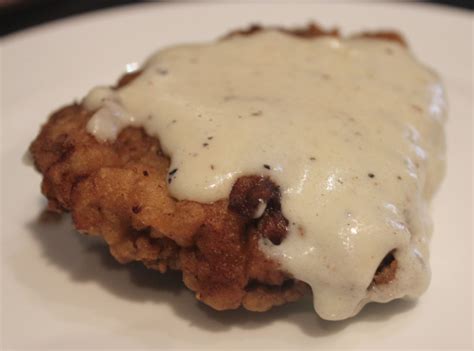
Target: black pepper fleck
column 266, row 166
column 417, row 108
column 171, row 175
column 145, row 173
column 325, row 76
column 210, row 138
column 257, row 113
column 212, row 167
column 312, row 158
column 371, row 175
column 399, row 177
column 205, row 144
column 136, row 209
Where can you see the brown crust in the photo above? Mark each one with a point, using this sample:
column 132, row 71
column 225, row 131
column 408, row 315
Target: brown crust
column 118, row 191
column 248, row 193
column 314, row 31
column 310, row 31
column 386, row 270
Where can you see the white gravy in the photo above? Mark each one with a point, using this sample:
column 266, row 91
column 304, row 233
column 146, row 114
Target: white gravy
column 350, row 129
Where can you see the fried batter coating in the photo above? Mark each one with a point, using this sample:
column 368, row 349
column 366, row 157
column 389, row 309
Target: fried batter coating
column 117, row 190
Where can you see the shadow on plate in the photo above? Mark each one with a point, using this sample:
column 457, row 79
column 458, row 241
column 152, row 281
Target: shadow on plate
column 87, row 259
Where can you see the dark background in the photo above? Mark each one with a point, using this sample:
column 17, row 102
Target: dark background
column 16, row 15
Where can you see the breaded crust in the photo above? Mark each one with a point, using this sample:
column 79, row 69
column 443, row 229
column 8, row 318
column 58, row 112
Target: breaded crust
column 118, row 190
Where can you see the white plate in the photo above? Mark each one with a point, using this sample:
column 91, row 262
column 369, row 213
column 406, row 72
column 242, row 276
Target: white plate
column 60, row 289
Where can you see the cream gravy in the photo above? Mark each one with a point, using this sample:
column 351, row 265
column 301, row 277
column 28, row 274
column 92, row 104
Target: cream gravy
column 350, row 129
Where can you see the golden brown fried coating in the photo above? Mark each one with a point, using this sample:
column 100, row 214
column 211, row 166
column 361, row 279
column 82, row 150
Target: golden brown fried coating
column 118, row 190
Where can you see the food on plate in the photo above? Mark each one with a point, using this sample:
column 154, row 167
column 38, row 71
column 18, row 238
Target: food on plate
column 267, row 165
